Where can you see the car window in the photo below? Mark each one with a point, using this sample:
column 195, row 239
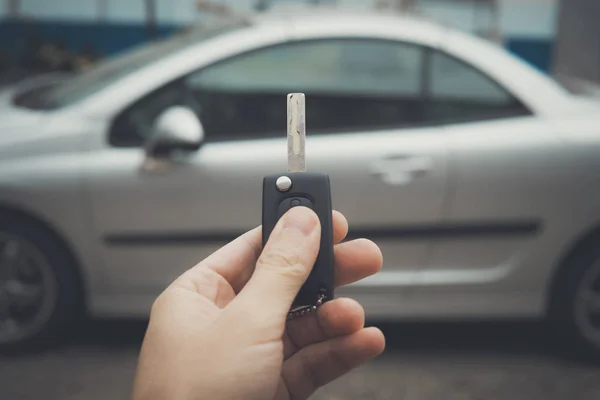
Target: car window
column 342, row 66
column 459, row 92
column 350, row 84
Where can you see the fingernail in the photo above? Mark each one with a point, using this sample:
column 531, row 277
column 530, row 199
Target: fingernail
column 300, row 218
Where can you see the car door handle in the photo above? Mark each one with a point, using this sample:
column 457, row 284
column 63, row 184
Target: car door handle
column 401, row 169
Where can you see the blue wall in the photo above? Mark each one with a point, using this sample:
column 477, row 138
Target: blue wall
column 538, row 52
column 104, row 38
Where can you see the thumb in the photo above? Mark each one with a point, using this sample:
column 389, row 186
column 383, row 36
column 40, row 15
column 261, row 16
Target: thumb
column 283, row 266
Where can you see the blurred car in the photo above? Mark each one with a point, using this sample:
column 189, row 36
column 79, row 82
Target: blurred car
column 476, row 174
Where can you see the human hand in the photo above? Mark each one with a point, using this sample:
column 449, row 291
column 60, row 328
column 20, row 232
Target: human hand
column 219, row 331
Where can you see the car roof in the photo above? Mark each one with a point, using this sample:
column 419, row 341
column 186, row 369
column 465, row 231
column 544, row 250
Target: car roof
column 330, row 18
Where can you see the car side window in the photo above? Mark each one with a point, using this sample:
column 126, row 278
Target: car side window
column 459, row 92
column 350, row 84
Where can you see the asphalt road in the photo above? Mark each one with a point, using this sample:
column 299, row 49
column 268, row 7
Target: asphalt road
column 512, row 361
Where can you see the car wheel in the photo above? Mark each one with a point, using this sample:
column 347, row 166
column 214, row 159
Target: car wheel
column 40, row 293
column 576, row 303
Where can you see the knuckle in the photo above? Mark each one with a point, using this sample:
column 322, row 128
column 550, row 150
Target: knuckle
column 284, row 261
column 158, row 304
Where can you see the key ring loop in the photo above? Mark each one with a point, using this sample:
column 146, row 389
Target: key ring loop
column 298, row 312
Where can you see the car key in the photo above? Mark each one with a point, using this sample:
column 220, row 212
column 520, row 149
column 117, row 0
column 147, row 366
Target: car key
column 300, row 188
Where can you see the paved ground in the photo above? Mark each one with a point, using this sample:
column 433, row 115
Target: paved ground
column 422, row 362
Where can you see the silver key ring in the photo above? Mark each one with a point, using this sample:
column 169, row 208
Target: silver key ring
column 303, row 310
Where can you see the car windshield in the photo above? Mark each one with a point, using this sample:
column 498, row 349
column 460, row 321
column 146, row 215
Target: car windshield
column 112, row 69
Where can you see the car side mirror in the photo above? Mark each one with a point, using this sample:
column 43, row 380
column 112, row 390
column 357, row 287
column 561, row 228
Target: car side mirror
column 176, row 128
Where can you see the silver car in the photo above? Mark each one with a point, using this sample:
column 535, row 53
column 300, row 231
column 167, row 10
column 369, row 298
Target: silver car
column 477, row 175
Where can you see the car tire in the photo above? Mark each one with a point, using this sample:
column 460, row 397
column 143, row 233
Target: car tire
column 575, row 304
column 41, row 296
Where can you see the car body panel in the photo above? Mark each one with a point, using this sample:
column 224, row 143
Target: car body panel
column 218, row 196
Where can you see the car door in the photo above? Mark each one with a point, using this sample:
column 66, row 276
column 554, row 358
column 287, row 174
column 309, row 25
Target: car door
column 499, row 152
column 363, row 121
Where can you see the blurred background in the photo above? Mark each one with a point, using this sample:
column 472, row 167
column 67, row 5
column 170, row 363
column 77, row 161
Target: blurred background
column 66, row 35
column 467, row 136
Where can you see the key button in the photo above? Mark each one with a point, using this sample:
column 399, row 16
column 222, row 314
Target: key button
column 288, row 203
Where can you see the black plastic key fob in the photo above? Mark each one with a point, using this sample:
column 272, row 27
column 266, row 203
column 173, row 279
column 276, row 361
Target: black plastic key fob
column 311, row 190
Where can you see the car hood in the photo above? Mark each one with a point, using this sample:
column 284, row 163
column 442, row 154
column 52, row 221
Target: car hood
column 16, row 123
column 17, row 126
column 27, row 132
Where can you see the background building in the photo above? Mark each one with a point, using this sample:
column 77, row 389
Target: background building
column 104, row 27
column 578, row 42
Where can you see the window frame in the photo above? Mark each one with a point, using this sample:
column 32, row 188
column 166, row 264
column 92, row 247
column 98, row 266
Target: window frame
column 425, row 96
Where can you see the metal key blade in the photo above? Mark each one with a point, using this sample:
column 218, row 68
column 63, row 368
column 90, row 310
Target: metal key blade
column 296, row 132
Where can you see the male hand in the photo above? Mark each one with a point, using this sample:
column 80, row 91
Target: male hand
column 220, row 330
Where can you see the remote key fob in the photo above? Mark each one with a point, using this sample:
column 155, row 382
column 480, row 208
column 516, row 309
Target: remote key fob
column 299, row 188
